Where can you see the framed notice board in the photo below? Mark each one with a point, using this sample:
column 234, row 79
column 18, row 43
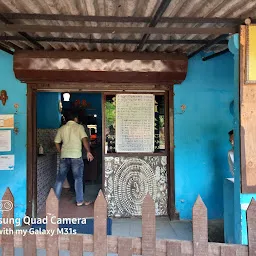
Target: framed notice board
column 135, row 123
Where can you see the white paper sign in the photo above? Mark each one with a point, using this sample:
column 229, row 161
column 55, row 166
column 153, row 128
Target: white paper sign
column 135, row 121
column 6, row 162
column 5, row 140
column 6, row 121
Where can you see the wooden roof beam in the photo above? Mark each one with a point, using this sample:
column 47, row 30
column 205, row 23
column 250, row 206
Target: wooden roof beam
column 107, row 41
column 208, row 45
column 160, row 11
column 5, row 49
column 115, row 30
column 215, row 55
column 23, row 34
column 63, row 17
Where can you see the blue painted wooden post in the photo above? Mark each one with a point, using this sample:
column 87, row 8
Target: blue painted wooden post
column 241, row 201
column 234, row 48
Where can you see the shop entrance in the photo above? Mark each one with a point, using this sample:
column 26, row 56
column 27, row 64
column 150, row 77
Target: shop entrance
column 52, row 111
column 154, row 169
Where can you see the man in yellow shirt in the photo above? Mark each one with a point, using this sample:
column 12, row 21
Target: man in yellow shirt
column 72, row 136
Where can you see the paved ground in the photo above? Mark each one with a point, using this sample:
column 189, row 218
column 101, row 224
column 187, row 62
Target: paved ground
column 165, row 229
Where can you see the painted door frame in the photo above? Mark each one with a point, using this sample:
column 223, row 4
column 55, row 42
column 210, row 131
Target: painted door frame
column 32, row 90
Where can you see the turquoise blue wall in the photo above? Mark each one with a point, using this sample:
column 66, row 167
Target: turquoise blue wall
column 201, row 134
column 48, row 115
column 16, row 91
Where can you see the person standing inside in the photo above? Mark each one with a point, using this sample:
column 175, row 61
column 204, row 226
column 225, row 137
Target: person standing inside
column 231, row 152
column 72, row 136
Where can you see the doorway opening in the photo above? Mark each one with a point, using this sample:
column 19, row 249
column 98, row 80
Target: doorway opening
column 51, row 112
column 105, row 92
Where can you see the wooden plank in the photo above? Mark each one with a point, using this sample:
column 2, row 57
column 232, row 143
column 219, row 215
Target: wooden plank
column 30, row 245
column 208, row 45
column 243, row 187
column 6, row 49
column 104, row 40
column 63, row 17
column 174, row 75
column 115, row 30
column 100, row 87
column 26, row 36
column 148, row 227
column 251, row 223
column 100, row 55
column 169, row 135
column 12, row 45
column 8, row 229
column 52, row 210
column 34, row 154
column 200, row 228
column 216, row 54
column 103, row 140
column 100, row 226
column 173, row 248
column 229, row 250
column 248, row 123
column 29, row 151
column 124, row 246
column 153, row 22
column 76, row 245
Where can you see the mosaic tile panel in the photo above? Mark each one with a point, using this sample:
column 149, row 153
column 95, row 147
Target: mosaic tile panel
column 46, row 176
column 46, row 138
column 129, row 179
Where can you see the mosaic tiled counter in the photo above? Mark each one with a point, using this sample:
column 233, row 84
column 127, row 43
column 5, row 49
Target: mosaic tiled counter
column 46, row 176
column 129, row 179
column 45, row 137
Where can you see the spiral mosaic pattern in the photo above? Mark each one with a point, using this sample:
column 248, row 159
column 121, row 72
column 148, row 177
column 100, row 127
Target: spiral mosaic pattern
column 132, row 181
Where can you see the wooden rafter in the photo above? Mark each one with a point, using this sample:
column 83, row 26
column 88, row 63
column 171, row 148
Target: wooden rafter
column 5, row 49
column 23, row 34
column 63, row 17
column 155, row 19
column 115, row 30
column 107, row 41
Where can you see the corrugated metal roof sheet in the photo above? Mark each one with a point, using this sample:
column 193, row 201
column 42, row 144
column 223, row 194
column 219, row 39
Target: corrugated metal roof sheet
column 139, row 8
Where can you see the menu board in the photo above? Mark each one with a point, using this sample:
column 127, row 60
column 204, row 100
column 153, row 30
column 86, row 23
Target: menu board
column 135, row 121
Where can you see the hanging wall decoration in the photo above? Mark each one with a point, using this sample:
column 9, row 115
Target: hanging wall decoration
column 3, row 96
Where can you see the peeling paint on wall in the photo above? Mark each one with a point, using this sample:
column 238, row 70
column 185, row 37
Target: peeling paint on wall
column 183, row 107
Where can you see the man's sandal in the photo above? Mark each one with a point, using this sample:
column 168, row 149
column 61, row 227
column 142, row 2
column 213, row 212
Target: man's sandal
column 80, row 204
column 88, row 203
